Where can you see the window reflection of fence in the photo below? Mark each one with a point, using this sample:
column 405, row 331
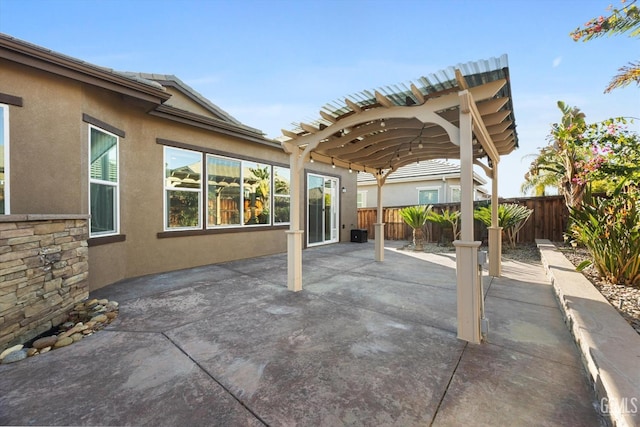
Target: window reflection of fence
column 548, row 221
column 228, row 212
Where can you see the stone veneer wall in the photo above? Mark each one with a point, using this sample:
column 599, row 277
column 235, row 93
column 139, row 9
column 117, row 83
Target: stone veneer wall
column 44, row 272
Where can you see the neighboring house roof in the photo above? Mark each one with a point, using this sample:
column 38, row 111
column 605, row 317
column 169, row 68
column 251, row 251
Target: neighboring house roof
column 423, row 171
column 152, row 88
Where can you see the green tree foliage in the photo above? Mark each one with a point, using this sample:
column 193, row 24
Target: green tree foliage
column 619, row 21
column 559, row 158
column 580, row 154
column 610, row 229
column 511, row 217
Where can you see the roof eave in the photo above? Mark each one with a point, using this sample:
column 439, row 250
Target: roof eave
column 44, row 59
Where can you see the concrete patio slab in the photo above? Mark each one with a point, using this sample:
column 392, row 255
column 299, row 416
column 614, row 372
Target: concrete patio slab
column 364, row 344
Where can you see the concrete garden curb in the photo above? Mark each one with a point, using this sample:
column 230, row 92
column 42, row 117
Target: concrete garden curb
column 610, row 347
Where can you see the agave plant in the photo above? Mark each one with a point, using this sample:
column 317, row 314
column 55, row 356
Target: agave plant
column 415, row 217
column 609, row 227
column 511, row 217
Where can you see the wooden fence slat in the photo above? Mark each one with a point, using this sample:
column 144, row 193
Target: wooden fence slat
column 548, row 221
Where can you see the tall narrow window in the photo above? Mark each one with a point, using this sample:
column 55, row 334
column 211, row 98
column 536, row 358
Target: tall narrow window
column 183, row 188
column 4, row 160
column 103, row 182
column 223, row 191
column 281, row 194
column 256, row 193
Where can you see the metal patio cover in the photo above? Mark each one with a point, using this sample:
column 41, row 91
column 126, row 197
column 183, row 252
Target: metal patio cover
column 379, row 131
column 464, row 112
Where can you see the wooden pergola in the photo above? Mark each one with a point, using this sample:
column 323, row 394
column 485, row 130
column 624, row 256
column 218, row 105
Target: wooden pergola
column 461, row 113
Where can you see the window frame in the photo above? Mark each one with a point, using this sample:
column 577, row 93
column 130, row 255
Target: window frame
column 204, row 227
column 6, row 141
column 453, row 188
column 116, row 207
column 433, row 188
column 361, row 199
column 166, row 189
column 278, row 195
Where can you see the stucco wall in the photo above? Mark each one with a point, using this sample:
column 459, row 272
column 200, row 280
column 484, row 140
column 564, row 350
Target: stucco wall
column 49, row 174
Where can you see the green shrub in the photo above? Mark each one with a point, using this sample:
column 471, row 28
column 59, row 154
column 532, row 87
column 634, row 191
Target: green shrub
column 511, row 217
column 609, row 227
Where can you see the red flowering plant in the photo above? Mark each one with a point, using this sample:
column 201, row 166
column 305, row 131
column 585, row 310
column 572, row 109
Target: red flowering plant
column 620, row 20
column 613, row 155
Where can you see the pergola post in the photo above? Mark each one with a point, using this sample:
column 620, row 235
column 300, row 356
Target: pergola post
column 495, row 231
column 379, row 225
column 469, row 293
column 294, row 234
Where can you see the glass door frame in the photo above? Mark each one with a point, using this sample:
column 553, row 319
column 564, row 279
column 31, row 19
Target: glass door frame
column 334, row 206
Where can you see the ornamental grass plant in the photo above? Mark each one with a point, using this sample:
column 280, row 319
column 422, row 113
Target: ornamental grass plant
column 609, row 227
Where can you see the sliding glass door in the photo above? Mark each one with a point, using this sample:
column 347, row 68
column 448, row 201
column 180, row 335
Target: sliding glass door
column 322, row 209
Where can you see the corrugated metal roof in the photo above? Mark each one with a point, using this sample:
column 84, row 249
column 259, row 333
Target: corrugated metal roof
column 476, row 73
column 396, row 125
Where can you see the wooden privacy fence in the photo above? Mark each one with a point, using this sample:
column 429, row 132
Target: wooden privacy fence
column 547, row 221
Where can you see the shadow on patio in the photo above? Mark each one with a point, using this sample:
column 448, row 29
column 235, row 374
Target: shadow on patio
column 364, row 343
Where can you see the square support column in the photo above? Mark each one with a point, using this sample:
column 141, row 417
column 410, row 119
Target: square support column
column 294, row 260
column 469, row 291
column 495, row 251
column 379, row 227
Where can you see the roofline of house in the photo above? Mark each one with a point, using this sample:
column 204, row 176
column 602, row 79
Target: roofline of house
column 44, row 59
column 136, row 85
column 208, row 123
column 437, row 177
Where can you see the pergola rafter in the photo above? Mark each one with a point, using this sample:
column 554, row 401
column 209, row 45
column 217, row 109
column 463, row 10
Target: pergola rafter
column 462, row 113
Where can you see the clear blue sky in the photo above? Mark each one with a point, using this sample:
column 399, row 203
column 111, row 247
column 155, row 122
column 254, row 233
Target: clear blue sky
column 272, row 63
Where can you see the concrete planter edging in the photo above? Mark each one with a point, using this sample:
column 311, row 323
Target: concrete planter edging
column 610, row 347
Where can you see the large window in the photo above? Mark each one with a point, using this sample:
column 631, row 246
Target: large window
column 183, row 188
column 223, row 191
column 427, row 196
column 256, row 178
column 238, row 192
column 282, row 195
column 103, row 182
column 4, row 160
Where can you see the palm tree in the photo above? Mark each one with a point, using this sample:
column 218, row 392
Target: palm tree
column 415, row 217
column 559, row 160
column 619, row 21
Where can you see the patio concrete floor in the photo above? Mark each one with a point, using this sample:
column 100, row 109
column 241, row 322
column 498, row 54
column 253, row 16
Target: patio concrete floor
column 364, row 344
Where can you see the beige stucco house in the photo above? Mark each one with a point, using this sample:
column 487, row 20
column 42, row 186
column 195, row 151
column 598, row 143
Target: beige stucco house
column 424, row 183
column 171, row 181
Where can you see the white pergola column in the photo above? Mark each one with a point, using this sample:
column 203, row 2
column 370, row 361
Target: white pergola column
column 495, row 232
column 379, row 225
column 294, row 234
column 469, row 293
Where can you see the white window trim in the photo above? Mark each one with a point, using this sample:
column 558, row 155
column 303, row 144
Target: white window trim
column 273, row 192
column 240, row 208
column 428, row 188
column 7, row 162
column 99, row 181
column 363, row 198
column 455, row 187
column 165, row 220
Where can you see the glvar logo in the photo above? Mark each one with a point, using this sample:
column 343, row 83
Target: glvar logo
column 624, row 405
